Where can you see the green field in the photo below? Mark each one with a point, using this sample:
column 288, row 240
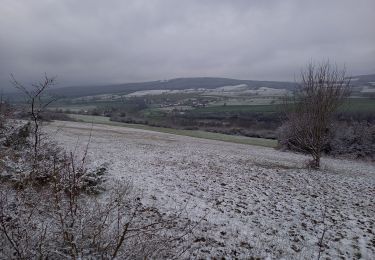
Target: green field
column 358, row 105
column 74, row 108
column 191, row 133
column 241, row 108
column 352, row 105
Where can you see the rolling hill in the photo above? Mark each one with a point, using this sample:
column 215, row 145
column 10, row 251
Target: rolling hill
column 359, row 83
column 173, row 84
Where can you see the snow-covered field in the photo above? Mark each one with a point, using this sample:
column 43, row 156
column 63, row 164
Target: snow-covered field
column 250, row 201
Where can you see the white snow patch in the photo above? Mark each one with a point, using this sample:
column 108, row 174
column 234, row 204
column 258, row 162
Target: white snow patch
column 233, row 88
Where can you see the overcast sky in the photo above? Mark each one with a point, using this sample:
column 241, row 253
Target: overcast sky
column 115, row 41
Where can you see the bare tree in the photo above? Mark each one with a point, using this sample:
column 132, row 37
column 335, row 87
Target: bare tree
column 38, row 103
column 309, row 110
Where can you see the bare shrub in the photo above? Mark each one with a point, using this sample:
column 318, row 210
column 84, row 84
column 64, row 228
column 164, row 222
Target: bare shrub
column 5, row 112
column 352, row 140
column 65, row 211
column 309, row 111
column 53, row 223
column 38, row 102
column 355, row 140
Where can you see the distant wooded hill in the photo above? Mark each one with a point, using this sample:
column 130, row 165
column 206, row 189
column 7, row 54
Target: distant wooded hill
column 173, row 84
column 185, row 83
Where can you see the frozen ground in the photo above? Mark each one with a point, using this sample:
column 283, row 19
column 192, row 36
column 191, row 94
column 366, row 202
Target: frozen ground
column 250, row 201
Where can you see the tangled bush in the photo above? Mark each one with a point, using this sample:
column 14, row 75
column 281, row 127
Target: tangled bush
column 355, row 140
column 53, row 206
column 58, row 223
column 22, row 167
column 58, row 209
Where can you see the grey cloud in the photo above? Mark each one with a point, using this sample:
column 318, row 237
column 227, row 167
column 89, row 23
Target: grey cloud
column 94, row 42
